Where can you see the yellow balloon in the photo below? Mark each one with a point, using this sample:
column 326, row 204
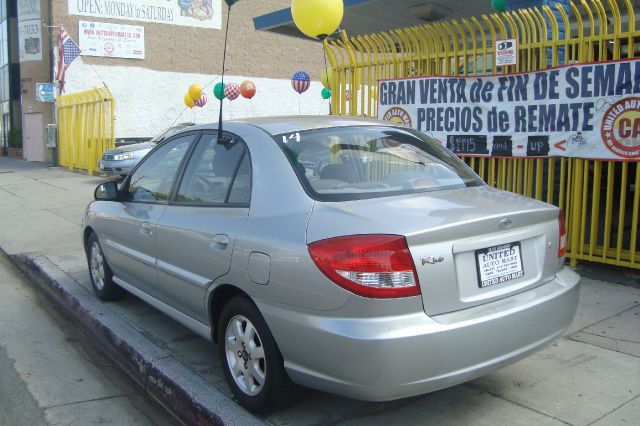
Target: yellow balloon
column 195, row 91
column 188, row 101
column 326, row 76
column 317, row 18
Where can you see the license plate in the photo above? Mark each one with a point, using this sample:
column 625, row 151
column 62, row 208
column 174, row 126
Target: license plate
column 499, row 264
column 101, row 165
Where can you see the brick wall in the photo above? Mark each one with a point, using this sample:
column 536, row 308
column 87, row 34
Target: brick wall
column 198, row 50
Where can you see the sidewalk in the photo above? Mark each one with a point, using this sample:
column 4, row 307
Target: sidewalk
column 590, row 376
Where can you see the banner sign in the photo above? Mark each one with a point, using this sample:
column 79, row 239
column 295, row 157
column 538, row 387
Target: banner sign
column 586, row 111
column 29, row 30
column 112, row 40
column 190, row 13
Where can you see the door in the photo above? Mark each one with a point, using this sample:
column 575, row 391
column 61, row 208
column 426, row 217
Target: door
column 129, row 240
column 196, row 233
column 33, row 137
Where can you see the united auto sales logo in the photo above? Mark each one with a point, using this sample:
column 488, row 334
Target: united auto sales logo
column 621, row 128
column 505, row 45
column 397, row 116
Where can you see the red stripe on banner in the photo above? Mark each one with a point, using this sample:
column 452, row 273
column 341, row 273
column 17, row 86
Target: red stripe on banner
column 560, row 145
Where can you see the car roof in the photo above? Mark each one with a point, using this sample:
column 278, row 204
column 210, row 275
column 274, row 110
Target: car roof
column 286, row 124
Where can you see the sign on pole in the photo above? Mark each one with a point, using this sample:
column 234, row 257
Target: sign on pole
column 506, row 52
column 45, row 92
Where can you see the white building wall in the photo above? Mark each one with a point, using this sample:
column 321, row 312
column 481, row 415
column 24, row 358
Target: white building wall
column 148, row 101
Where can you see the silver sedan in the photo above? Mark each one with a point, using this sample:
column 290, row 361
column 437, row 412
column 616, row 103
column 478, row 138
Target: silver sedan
column 347, row 255
column 119, row 161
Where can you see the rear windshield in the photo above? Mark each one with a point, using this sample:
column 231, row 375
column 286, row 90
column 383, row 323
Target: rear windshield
column 347, row 163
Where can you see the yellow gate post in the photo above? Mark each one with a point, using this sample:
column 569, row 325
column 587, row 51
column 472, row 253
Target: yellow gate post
column 85, row 128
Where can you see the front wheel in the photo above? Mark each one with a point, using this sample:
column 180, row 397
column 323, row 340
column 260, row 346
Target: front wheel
column 252, row 363
column 100, row 272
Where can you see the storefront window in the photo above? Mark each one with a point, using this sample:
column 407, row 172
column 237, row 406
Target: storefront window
column 4, row 83
column 5, row 43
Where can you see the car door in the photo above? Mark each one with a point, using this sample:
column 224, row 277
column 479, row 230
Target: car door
column 129, row 234
column 196, row 233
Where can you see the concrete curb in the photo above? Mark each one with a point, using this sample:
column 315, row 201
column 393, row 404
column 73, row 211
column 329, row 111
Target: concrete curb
column 188, row 396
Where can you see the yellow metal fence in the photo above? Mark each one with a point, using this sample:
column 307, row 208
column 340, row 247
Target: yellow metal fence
column 85, row 128
column 600, row 198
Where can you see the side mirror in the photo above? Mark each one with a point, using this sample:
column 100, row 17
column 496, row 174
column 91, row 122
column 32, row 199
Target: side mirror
column 107, row 191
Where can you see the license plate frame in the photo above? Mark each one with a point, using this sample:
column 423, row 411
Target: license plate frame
column 499, row 264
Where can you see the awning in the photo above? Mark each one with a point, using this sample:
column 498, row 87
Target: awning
column 371, row 16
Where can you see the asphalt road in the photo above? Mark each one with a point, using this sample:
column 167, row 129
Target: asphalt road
column 51, row 374
column 17, row 406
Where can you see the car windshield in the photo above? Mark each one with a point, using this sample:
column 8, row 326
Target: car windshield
column 346, row 163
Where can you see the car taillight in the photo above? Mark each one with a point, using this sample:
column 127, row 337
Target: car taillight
column 377, row 266
column 562, row 242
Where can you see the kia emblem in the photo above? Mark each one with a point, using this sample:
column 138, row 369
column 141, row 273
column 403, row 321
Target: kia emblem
column 505, row 224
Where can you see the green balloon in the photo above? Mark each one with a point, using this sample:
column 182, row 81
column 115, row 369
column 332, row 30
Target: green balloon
column 218, row 91
column 498, row 5
column 326, row 93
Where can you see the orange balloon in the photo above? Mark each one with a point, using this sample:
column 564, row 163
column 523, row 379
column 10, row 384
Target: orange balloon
column 248, row 89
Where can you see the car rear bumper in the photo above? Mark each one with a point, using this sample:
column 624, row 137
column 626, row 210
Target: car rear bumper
column 379, row 359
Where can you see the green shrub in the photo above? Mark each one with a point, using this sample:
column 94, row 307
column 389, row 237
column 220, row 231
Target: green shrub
column 15, row 138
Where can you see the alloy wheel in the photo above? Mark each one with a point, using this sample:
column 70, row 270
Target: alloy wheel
column 97, row 266
column 245, row 355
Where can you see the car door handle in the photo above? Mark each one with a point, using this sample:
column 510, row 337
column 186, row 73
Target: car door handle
column 146, row 229
column 220, row 242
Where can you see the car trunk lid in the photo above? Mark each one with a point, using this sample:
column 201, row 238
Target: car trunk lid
column 469, row 246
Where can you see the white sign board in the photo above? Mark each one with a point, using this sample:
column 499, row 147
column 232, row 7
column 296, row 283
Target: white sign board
column 190, row 13
column 506, row 52
column 29, row 30
column 111, row 40
column 586, row 111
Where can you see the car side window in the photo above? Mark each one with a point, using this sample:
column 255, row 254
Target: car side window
column 211, row 172
column 152, row 181
column 241, row 189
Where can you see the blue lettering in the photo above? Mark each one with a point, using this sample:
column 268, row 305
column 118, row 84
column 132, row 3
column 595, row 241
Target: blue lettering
column 574, row 88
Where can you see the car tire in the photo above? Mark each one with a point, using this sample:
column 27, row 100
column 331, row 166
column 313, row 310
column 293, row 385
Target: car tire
column 252, row 363
column 100, row 272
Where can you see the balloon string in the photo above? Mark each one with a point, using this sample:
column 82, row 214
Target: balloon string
column 210, row 83
column 299, row 96
column 253, row 114
column 224, row 59
column 324, row 52
column 179, row 115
